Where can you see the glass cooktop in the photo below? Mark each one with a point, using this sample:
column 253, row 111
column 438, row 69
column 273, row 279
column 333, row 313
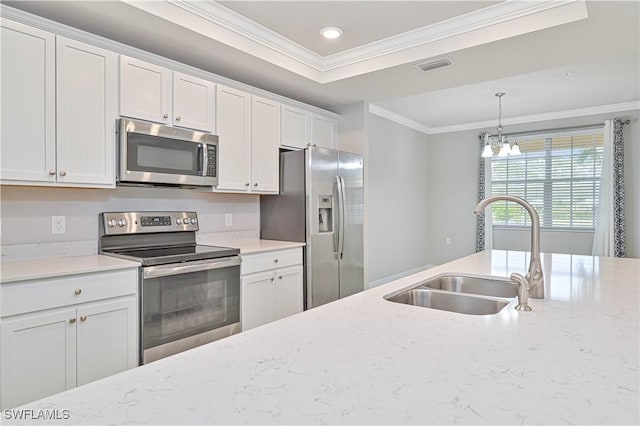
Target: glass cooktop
column 176, row 254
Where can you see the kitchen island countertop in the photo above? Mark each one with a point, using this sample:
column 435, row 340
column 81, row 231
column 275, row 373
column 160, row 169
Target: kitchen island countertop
column 365, row 360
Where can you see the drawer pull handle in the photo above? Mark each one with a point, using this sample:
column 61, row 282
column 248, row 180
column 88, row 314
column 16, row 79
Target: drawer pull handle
column 72, row 321
column 78, row 291
column 271, row 279
column 83, row 318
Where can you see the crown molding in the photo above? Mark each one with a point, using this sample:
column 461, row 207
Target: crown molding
column 400, row 119
column 547, row 116
column 503, row 20
column 555, row 115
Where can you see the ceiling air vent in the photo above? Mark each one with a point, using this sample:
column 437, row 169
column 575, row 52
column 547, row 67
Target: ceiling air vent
column 432, row 65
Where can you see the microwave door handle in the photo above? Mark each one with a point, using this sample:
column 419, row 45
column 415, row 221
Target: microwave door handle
column 201, row 154
column 185, row 268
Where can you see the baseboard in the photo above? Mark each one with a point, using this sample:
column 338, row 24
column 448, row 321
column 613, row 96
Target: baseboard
column 399, row 275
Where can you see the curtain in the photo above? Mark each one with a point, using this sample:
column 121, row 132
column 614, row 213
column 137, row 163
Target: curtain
column 484, row 229
column 608, row 237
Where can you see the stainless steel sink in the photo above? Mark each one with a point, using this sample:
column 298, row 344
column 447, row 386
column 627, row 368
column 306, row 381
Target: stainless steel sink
column 448, row 301
column 473, row 285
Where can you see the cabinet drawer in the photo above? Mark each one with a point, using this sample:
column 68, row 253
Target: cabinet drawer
column 270, row 260
column 36, row 295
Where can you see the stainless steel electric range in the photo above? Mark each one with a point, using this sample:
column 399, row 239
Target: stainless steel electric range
column 189, row 293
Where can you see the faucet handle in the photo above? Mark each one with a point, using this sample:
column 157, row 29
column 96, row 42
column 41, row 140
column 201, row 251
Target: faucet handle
column 523, row 292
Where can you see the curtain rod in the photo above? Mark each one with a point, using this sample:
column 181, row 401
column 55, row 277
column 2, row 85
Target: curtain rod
column 556, row 130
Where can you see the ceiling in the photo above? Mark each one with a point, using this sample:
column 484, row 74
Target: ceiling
column 524, row 48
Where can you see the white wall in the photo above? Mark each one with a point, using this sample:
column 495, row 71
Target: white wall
column 453, row 181
column 27, row 211
column 398, row 199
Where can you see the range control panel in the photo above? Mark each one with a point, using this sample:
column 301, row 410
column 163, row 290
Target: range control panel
column 113, row 223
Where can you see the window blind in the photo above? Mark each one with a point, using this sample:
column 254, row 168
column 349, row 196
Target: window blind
column 559, row 174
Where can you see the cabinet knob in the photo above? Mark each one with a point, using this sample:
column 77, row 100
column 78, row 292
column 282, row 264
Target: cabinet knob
column 246, row 184
column 308, row 144
column 271, row 279
column 52, row 172
column 165, row 116
column 63, row 173
column 275, row 260
column 72, row 321
column 78, row 291
column 280, row 277
column 255, row 184
column 315, row 146
column 178, row 118
column 83, row 318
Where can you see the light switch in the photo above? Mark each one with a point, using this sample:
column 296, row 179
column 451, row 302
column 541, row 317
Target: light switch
column 58, row 226
column 228, row 219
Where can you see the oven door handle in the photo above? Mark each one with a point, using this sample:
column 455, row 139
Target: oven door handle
column 185, row 268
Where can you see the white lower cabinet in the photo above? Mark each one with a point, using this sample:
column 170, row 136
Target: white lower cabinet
column 271, row 286
column 48, row 347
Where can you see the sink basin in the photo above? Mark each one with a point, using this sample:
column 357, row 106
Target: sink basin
column 448, row 301
column 473, row 285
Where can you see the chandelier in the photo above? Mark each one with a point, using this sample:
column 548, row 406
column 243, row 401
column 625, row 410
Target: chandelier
column 499, row 144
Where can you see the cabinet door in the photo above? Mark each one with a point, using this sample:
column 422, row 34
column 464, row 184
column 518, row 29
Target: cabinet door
column 107, row 339
column 194, row 101
column 38, row 356
column 257, row 300
column 145, row 90
column 233, row 114
column 28, row 103
column 323, row 131
column 265, row 144
column 288, row 291
column 86, row 79
column 295, row 127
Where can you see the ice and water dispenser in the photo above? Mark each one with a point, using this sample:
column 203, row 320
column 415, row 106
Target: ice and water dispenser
column 325, row 213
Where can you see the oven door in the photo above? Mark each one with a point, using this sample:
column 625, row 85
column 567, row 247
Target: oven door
column 188, row 304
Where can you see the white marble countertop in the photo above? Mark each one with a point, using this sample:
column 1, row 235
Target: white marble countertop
column 23, row 270
column 247, row 246
column 364, row 360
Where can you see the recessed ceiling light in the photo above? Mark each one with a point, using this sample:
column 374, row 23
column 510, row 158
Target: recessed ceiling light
column 331, row 32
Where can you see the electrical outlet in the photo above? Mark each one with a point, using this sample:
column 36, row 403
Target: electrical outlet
column 228, row 219
column 448, row 241
column 58, row 226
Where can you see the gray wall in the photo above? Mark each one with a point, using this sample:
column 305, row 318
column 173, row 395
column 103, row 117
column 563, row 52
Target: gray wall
column 398, row 200
column 453, row 177
column 27, row 211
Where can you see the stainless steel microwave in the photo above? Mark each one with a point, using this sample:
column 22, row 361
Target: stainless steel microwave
column 154, row 154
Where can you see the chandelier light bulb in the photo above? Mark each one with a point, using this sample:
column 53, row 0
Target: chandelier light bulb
column 515, row 149
column 505, row 150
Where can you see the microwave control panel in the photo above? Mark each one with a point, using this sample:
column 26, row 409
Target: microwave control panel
column 212, row 161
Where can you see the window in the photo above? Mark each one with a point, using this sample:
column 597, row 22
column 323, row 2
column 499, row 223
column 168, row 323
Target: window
column 558, row 174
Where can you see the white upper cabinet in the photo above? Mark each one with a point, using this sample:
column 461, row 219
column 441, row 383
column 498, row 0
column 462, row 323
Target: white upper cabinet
column 59, row 105
column 265, row 143
column 28, row 103
column 301, row 128
column 249, row 131
column 145, row 91
column 194, row 101
column 154, row 93
column 323, row 131
column 295, row 127
column 233, row 115
column 86, row 113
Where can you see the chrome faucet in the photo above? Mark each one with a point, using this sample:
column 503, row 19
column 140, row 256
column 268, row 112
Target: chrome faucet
column 534, row 286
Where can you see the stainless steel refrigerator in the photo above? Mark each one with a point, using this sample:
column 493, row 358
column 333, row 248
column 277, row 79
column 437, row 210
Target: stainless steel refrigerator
column 321, row 203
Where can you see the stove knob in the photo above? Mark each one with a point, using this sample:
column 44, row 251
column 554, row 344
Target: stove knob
column 110, row 223
column 124, row 222
column 178, row 221
column 193, row 221
column 121, row 223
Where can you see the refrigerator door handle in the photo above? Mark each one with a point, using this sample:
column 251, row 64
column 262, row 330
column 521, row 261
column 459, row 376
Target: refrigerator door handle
column 341, row 204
